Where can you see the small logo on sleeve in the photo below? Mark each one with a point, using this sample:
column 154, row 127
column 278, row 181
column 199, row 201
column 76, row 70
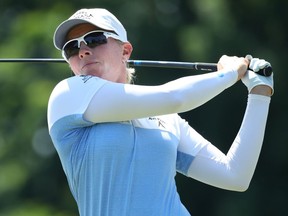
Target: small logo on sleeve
column 85, row 78
column 161, row 123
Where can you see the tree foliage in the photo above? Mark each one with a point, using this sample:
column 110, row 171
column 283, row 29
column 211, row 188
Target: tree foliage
column 32, row 181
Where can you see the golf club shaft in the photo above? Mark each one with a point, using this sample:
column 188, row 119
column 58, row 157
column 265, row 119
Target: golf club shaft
column 141, row 63
column 173, row 64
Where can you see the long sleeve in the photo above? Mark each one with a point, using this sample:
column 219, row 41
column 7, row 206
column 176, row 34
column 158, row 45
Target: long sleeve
column 120, row 102
column 234, row 170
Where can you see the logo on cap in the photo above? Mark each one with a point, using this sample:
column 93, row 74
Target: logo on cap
column 82, row 15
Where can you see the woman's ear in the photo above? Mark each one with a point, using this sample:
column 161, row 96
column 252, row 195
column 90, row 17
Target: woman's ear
column 127, row 51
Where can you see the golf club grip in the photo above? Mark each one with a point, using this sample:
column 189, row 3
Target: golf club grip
column 267, row 71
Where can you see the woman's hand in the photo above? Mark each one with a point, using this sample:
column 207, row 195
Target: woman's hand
column 240, row 64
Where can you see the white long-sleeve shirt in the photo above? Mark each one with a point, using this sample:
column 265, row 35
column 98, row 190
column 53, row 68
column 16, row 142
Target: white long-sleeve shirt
column 120, row 145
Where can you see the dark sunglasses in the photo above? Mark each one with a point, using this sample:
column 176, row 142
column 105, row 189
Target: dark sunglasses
column 90, row 39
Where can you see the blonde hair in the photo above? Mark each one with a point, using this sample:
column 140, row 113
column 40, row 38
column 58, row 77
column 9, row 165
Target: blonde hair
column 130, row 74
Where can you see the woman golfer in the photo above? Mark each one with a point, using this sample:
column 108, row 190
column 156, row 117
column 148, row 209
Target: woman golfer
column 121, row 145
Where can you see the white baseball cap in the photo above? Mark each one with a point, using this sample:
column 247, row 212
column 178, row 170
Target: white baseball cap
column 99, row 17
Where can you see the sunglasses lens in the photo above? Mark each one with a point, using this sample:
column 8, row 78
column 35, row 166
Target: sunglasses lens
column 71, row 49
column 95, row 39
column 91, row 40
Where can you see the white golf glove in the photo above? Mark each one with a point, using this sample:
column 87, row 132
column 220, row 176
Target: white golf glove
column 257, row 64
column 252, row 79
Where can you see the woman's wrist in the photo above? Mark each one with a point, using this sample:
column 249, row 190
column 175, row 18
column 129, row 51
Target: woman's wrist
column 262, row 90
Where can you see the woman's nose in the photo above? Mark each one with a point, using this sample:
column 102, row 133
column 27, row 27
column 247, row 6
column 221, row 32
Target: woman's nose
column 84, row 50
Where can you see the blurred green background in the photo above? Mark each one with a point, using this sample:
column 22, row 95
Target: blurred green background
column 32, row 182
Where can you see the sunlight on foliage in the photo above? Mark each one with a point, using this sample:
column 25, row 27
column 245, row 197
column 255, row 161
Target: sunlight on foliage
column 12, row 176
column 30, row 208
column 195, row 42
column 38, row 92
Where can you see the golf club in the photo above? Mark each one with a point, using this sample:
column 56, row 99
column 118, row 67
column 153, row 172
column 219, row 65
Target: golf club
column 267, row 71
